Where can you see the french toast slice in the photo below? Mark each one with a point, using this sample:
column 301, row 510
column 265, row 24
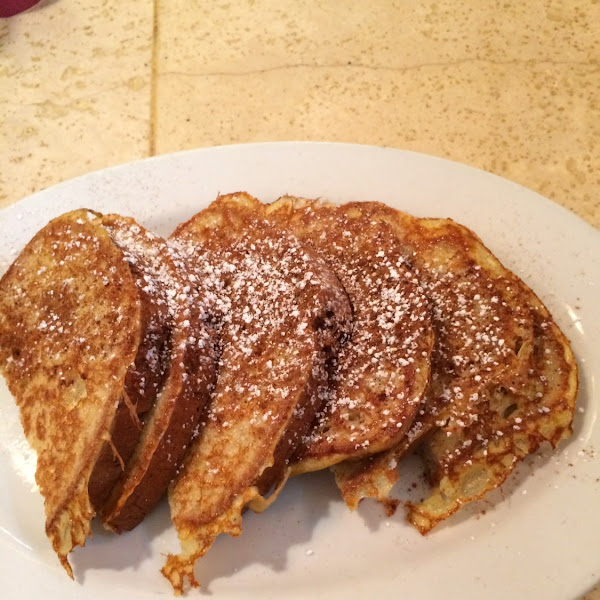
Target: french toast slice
column 467, row 464
column 181, row 356
column 484, row 328
column 281, row 313
column 380, row 375
column 65, row 361
column 472, row 443
column 144, row 378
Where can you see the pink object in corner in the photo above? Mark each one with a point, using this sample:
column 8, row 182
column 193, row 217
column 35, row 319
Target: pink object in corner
column 8, row 8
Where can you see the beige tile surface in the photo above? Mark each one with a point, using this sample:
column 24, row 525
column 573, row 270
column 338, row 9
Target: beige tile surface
column 510, row 88
column 74, row 91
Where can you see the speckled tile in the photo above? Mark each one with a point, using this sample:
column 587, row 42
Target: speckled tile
column 510, row 89
column 75, row 83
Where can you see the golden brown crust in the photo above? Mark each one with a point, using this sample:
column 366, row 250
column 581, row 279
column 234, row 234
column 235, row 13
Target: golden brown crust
column 116, row 450
column 234, row 289
column 145, row 376
column 179, row 351
column 482, row 323
column 311, row 401
column 472, row 437
column 380, row 375
column 465, row 465
column 280, row 311
column 63, row 360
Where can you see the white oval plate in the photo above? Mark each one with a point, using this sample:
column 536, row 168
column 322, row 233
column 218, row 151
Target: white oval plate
column 536, row 538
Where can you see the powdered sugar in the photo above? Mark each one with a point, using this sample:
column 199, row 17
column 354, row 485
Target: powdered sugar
column 278, row 309
column 380, row 374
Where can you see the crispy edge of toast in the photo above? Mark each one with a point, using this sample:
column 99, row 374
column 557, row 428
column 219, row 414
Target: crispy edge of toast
column 138, row 396
column 196, row 543
column 173, row 422
column 377, row 476
column 68, row 519
column 537, row 418
column 320, row 456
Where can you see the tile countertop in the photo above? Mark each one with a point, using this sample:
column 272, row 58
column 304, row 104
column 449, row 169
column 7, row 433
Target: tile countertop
column 509, row 87
column 512, row 87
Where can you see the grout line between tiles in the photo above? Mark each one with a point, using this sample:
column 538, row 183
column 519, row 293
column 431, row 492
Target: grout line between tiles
column 153, row 82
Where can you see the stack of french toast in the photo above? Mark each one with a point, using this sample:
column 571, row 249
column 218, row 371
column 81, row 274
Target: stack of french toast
column 263, row 341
